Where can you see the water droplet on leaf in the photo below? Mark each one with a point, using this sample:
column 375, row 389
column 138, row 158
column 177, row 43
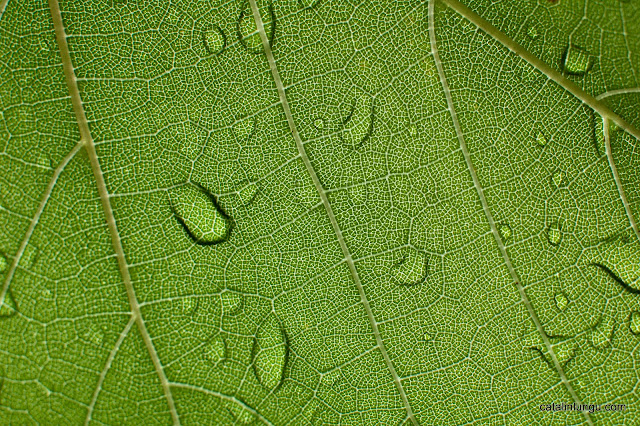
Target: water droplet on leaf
column 554, row 234
column 358, row 125
column 248, row 193
column 188, row 305
column 215, row 349
column 231, row 302
column 215, row 40
column 557, row 179
column 532, row 32
column 561, row 301
column 602, row 334
column 505, row 231
column 318, row 123
column 270, row 353
column 541, row 139
column 619, row 257
column 412, row 268
column 565, row 350
column 197, row 210
column 9, row 306
column 576, row 61
column 634, row 322
column 248, row 31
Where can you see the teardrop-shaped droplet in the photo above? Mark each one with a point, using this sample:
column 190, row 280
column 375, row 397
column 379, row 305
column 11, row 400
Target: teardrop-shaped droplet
column 554, row 234
column 358, row 125
column 231, row 302
column 561, row 301
column 634, row 322
column 557, row 178
column 215, row 40
column 619, row 257
column 215, row 349
column 412, row 268
column 9, row 306
column 244, row 127
column 248, row 193
column 198, row 211
column 602, row 334
column 248, row 31
column 541, row 139
column 576, row 61
column 505, row 231
column 270, row 352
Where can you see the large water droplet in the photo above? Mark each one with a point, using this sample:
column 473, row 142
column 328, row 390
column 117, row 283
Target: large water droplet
column 244, row 127
column 270, row 352
column 576, row 61
column 9, row 306
column 561, row 301
column 198, row 211
column 215, row 349
column 248, row 31
column 231, row 302
column 602, row 334
column 634, row 322
column 554, row 234
column 619, row 257
column 358, row 125
column 214, row 39
column 412, row 268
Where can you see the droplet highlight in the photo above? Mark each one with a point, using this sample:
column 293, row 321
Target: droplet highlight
column 565, row 351
column 215, row 349
column 634, row 323
column 270, row 353
column 199, row 213
column 554, row 234
column 214, row 40
column 248, row 31
column 318, row 123
column 188, row 306
column 241, row 415
column 561, row 301
column 576, row 60
column 357, row 127
column 412, row 269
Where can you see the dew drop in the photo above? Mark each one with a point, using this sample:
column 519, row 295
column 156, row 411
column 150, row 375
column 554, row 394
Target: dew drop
column 9, row 306
column 231, row 302
column 197, row 210
column 532, row 32
column 248, row 31
column 270, row 352
column 241, row 415
column 561, row 301
column 215, row 349
column 634, row 322
column 505, row 231
column 412, row 268
column 576, row 61
column 565, row 350
column 3, row 263
column 214, row 39
column 248, row 193
column 557, row 179
column 541, row 139
column 554, row 234
column 188, row 306
column 358, row 125
column 602, row 334
column 244, row 127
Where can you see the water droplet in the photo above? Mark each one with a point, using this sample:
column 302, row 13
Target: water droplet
column 565, row 350
column 330, row 378
column 9, row 306
column 619, row 257
column 634, row 322
column 505, row 231
column 231, row 302
column 576, row 61
column 248, row 31
column 241, row 415
column 602, row 334
column 248, row 193
column 197, row 210
column 557, row 179
column 4, row 263
column 188, row 305
column 214, row 39
column 215, row 349
column 541, row 139
column 270, row 353
column 412, row 268
column 95, row 334
column 532, row 32
column 554, row 234
column 244, row 127
column 318, row 123
column 561, row 301
column 358, row 125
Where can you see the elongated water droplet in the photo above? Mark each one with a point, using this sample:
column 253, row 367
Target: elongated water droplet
column 541, row 139
column 215, row 40
column 9, row 306
column 505, row 231
column 554, row 234
column 358, row 125
column 270, row 353
column 244, row 127
column 634, row 322
column 231, row 302
column 532, row 32
column 188, row 305
column 561, row 301
column 602, row 334
column 215, row 349
column 412, row 268
column 248, row 193
column 198, row 211
column 3, row 263
column 241, row 415
column 248, row 31
column 619, row 257
column 557, row 179
column 576, row 61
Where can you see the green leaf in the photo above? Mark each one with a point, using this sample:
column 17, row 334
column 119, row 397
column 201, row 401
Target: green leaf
column 319, row 212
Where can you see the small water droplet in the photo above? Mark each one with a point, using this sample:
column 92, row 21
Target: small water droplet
column 412, row 269
column 270, row 353
column 248, row 193
column 215, row 40
column 231, row 302
column 505, row 231
column 199, row 213
column 248, row 31
column 188, row 305
column 554, row 234
column 561, row 301
column 215, row 349
column 541, row 139
column 318, row 123
column 241, row 415
column 532, row 32
column 244, row 127
column 634, row 322
column 4, row 263
column 619, row 257
column 576, row 61
column 95, row 334
column 602, row 334
column 565, row 350
column 557, row 179
column 9, row 306
column 358, row 125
